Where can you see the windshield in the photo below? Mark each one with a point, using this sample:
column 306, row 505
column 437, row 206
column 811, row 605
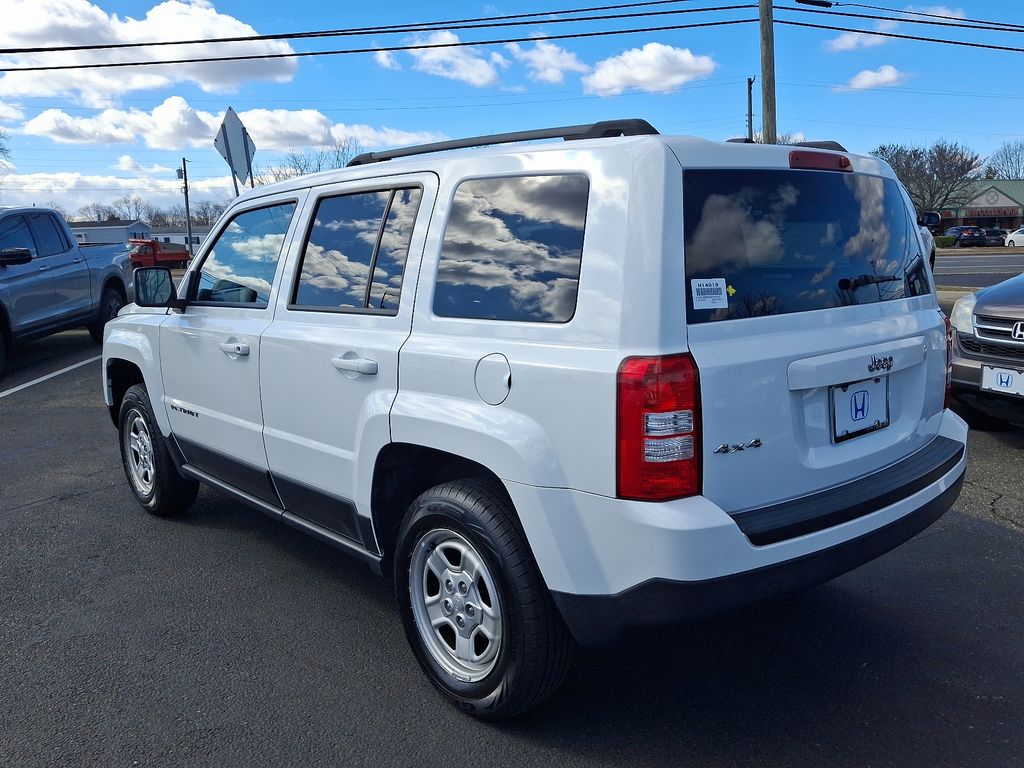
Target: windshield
column 760, row 242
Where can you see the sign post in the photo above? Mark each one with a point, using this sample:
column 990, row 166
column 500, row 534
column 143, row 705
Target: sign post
column 237, row 148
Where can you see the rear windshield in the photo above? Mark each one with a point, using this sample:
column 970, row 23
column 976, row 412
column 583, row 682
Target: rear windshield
column 772, row 242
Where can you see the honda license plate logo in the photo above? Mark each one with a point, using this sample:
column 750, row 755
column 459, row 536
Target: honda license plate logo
column 1004, row 380
column 859, row 405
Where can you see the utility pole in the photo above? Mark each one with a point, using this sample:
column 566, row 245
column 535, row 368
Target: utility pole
column 750, row 108
column 768, row 130
column 183, row 174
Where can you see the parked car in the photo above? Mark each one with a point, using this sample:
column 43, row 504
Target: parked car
column 556, row 390
column 1015, row 238
column 988, row 354
column 48, row 283
column 995, row 237
column 153, row 253
column 966, row 236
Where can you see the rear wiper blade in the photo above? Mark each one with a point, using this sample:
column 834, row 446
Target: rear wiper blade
column 852, row 284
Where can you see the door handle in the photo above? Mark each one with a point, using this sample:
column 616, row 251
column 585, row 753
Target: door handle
column 43, row 269
column 77, row 260
column 356, row 364
column 234, row 348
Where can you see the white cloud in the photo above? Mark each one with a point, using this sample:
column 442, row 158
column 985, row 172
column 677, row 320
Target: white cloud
column 175, row 125
column 131, row 165
column 75, row 190
column 655, row 67
column 463, row 64
column 885, row 75
column 386, row 59
column 9, row 113
column 73, row 22
column 547, row 62
column 499, row 61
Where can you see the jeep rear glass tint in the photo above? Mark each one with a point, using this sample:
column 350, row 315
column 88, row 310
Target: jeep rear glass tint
column 347, row 242
column 512, row 249
column 767, row 242
column 239, row 268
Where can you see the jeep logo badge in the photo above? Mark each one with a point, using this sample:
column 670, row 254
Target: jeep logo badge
column 880, row 363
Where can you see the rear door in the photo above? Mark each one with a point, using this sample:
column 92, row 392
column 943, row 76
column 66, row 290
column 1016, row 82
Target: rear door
column 210, row 353
column 329, row 361
column 69, row 271
column 809, row 310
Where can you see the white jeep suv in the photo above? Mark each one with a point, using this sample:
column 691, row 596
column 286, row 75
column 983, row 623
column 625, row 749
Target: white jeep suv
column 559, row 390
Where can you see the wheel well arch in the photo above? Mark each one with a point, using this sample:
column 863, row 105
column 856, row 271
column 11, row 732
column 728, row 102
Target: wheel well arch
column 402, row 472
column 117, row 284
column 120, row 376
column 5, row 327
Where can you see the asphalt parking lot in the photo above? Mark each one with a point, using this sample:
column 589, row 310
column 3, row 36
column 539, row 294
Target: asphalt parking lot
column 225, row 639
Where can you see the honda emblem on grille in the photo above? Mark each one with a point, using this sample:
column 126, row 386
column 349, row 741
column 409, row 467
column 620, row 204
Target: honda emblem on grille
column 1004, row 380
column 859, row 405
column 1018, row 331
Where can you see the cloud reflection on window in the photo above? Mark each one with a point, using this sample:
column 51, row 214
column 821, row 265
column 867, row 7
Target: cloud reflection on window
column 512, row 249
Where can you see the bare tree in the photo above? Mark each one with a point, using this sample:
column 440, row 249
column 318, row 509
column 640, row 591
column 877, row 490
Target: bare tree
column 300, row 162
column 1007, row 162
column 939, row 176
column 5, row 150
column 782, row 138
column 58, row 208
column 95, row 212
column 129, row 207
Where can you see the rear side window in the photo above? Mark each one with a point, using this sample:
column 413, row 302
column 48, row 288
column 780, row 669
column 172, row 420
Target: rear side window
column 356, row 251
column 239, row 268
column 512, row 249
column 762, row 242
column 51, row 240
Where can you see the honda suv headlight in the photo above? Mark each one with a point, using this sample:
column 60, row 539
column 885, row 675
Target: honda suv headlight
column 962, row 311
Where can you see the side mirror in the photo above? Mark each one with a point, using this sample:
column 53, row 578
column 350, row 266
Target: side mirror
column 12, row 257
column 155, row 288
column 931, row 219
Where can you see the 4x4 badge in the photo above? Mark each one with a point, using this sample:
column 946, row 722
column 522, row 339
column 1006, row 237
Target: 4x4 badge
column 880, row 363
column 726, row 448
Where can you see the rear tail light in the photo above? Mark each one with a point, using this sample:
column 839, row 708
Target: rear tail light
column 949, row 359
column 819, row 161
column 658, row 428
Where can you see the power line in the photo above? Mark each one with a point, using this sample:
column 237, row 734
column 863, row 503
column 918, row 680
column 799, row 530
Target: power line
column 962, row 43
column 416, row 47
column 951, row 21
column 929, row 15
column 485, row 22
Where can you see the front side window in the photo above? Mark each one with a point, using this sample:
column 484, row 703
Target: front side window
column 772, row 242
column 240, row 267
column 51, row 240
column 353, row 237
column 14, row 233
column 512, row 249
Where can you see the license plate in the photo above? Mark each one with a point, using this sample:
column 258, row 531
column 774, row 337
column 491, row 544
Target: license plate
column 1005, row 380
column 859, row 407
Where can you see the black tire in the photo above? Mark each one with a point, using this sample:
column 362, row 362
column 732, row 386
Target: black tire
column 3, row 352
column 151, row 473
column 535, row 648
column 931, row 260
column 110, row 304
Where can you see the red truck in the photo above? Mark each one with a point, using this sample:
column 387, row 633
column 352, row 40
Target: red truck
column 153, row 253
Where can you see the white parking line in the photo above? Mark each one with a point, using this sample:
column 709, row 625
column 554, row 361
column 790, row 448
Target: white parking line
column 41, row 379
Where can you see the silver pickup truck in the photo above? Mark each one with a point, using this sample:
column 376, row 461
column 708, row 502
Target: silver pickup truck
column 48, row 283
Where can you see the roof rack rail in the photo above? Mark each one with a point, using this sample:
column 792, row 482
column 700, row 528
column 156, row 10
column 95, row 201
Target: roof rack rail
column 822, row 145
column 600, row 130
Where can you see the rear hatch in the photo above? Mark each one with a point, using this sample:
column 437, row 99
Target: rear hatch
column 821, row 351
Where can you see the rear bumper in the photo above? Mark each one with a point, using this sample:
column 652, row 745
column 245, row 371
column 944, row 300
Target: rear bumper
column 596, row 619
column 612, row 564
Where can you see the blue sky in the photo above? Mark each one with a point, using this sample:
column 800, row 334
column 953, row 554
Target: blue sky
column 94, row 135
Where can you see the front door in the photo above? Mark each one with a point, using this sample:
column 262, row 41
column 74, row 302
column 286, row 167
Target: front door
column 329, row 361
column 27, row 288
column 72, row 288
column 210, row 353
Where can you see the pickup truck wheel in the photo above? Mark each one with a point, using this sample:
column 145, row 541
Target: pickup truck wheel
column 476, row 611
column 110, row 304
column 151, row 474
